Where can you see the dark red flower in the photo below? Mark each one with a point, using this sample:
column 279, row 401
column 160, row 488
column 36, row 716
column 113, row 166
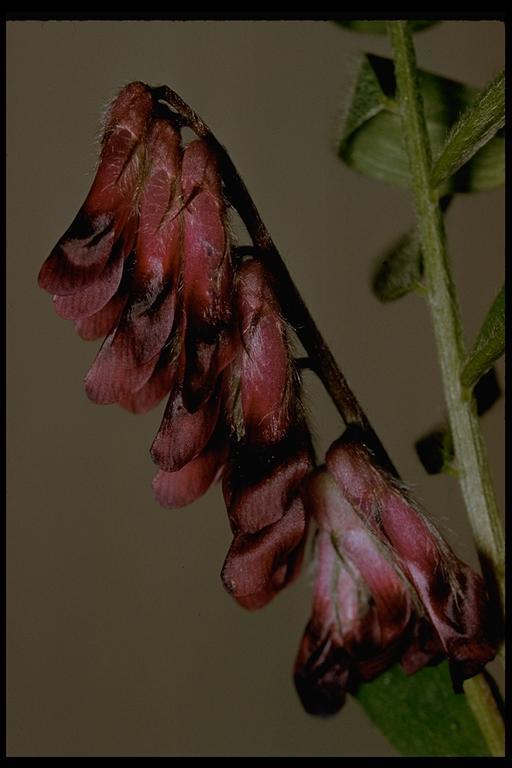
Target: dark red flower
column 388, row 588
column 271, row 451
column 453, row 596
column 363, row 607
column 147, row 264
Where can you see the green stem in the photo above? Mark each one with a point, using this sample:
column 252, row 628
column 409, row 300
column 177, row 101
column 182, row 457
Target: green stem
column 474, row 473
column 484, row 707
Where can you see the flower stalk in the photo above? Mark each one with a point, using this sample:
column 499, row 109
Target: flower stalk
column 473, row 467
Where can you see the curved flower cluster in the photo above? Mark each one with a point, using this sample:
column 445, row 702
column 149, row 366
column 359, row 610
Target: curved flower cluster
column 387, row 588
column 147, row 263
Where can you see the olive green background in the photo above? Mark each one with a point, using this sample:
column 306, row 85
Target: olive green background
column 121, row 639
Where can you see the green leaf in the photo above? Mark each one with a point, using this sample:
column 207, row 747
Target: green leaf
column 380, row 27
column 372, row 139
column 421, row 715
column 435, row 450
column 474, row 128
column 490, row 344
column 400, row 271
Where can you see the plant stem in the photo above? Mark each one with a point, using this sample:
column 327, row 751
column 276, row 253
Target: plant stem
column 485, row 709
column 474, row 473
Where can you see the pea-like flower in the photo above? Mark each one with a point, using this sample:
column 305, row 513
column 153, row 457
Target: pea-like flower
column 148, row 264
column 388, row 588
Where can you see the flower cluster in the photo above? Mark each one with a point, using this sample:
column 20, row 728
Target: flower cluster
column 387, row 588
column 147, row 263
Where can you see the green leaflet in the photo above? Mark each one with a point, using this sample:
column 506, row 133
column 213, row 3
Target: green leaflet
column 371, row 140
column 475, row 127
column 435, row 450
column 490, row 343
column 421, row 715
column 380, row 27
column 401, row 269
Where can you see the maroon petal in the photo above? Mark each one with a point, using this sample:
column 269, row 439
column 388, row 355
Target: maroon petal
column 80, row 255
column 177, row 489
column 205, row 361
column 453, row 596
column 321, row 674
column 183, row 435
column 375, row 633
column 266, row 375
column 322, row 668
column 128, row 358
column 156, row 387
column 424, row 648
column 260, row 484
column 104, row 321
column 94, row 297
column 258, row 565
column 114, row 374
column 83, row 251
column 207, row 271
column 380, row 572
column 91, row 299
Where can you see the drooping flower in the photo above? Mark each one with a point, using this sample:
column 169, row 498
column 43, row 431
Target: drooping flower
column 147, row 264
column 388, row 588
column 271, row 450
column 363, row 606
column 263, row 454
column 453, row 596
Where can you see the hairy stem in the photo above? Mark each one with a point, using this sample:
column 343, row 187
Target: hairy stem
column 474, row 473
column 484, row 706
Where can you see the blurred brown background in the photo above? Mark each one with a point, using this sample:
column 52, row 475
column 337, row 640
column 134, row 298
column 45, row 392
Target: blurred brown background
column 121, row 639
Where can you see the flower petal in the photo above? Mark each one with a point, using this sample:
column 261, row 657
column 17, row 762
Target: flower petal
column 266, row 372
column 129, row 356
column 207, row 271
column 453, row 595
column 258, row 565
column 105, row 320
column 83, row 251
column 205, row 361
column 260, row 483
column 155, row 388
column 89, row 300
column 177, row 489
column 183, row 435
column 322, row 666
